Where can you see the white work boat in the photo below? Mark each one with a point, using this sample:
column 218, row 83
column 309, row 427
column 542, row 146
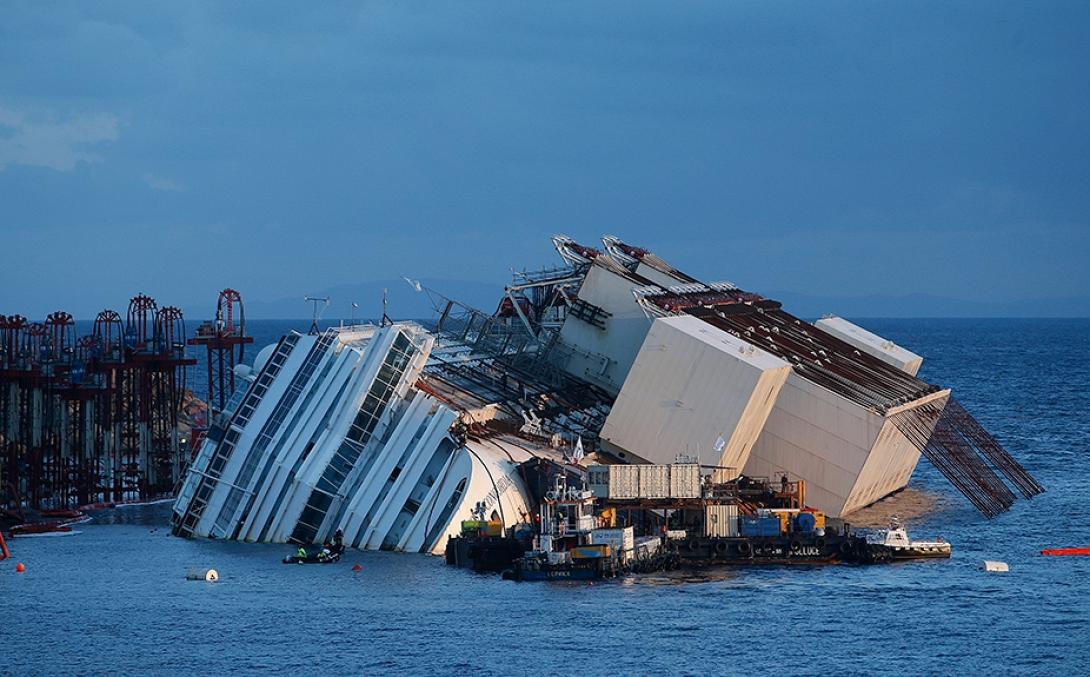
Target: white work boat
column 900, row 546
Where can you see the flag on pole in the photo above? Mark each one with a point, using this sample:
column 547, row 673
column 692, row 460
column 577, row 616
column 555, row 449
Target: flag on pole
column 577, row 454
column 720, row 443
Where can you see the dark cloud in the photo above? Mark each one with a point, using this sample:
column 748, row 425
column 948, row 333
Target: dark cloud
column 936, row 148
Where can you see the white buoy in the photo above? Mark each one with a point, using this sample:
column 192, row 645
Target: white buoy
column 996, row 567
column 210, row 575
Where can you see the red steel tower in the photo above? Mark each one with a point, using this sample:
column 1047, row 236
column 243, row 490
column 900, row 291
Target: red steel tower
column 225, row 341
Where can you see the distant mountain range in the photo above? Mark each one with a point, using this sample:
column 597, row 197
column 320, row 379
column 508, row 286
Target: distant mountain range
column 406, row 302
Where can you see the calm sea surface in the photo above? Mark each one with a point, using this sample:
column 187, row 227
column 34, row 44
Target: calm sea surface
column 113, row 598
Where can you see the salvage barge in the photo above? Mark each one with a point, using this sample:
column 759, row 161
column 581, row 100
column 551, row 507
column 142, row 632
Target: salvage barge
column 586, row 533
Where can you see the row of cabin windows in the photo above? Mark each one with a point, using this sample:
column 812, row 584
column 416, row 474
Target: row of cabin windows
column 374, row 404
column 225, row 447
column 270, row 428
column 334, row 406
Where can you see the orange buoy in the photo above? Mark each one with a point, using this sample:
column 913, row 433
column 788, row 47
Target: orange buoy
column 1065, row 551
column 357, row 568
column 20, row 567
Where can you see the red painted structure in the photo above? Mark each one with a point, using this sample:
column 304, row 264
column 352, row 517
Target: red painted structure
column 225, row 341
column 92, row 418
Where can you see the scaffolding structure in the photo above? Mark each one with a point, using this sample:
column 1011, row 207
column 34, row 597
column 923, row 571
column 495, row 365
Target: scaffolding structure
column 225, row 342
column 92, row 418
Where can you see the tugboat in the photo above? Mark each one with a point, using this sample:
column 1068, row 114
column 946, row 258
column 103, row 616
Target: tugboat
column 565, row 549
column 895, row 542
column 551, row 566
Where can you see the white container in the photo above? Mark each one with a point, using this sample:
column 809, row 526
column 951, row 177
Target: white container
column 584, row 523
column 685, row 480
column 624, row 481
column 996, row 567
column 677, row 534
column 598, row 480
column 721, row 521
column 618, row 539
column 654, row 481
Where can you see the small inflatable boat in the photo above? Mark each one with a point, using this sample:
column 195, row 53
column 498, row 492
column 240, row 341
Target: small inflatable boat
column 316, row 558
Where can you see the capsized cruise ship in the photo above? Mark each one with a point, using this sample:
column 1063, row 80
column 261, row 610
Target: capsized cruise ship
column 394, row 434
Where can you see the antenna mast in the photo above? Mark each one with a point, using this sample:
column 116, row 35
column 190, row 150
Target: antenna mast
column 386, row 321
column 317, row 313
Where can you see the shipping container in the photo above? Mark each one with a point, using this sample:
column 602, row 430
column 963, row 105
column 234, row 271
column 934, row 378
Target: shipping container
column 624, row 481
column 749, row 525
column 598, row 480
column 759, row 526
column 721, row 521
column 590, row 551
column 618, row 539
column 493, row 528
column 654, row 481
column 685, row 480
column 471, row 526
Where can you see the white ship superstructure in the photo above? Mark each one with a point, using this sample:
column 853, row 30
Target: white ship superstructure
column 393, row 435
column 332, row 434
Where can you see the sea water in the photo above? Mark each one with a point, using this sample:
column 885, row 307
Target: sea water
column 113, row 598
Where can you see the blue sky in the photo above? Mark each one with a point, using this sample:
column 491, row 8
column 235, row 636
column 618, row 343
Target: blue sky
column 828, row 149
